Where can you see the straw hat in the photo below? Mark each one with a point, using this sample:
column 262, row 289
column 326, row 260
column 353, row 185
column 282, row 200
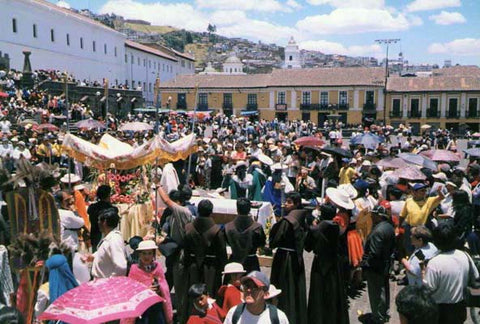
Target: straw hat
column 350, row 189
column 146, row 245
column 233, row 267
column 340, row 198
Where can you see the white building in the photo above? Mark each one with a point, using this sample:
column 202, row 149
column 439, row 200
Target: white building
column 293, row 59
column 61, row 39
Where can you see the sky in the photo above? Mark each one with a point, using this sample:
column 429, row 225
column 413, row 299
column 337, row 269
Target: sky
column 430, row 31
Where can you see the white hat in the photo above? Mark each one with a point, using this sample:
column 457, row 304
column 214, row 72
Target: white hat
column 265, row 159
column 278, row 166
column 241, row 163
column 233, row 267
column 353, row 161
column 146, row 245
column 79, row 187
column 450, row 183
column 340, row 198
column 350, row 189
column 273, row 292
column 366, row 163
column 440, row 176
column 73, row 178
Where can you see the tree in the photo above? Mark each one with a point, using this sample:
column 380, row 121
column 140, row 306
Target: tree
column 189, row 38
column 211, row 29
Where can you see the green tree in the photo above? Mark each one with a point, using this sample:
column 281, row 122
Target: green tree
column 189, row 38
column 211, row 29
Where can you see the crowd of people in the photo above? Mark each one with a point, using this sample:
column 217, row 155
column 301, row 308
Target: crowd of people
column 361, row 219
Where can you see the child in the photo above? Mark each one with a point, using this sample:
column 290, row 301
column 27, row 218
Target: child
column 205, row 310
column 231, row 293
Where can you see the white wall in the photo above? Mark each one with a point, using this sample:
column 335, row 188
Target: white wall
column 83, row 63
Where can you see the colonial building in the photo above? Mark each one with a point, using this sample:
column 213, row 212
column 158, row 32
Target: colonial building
column 348, row 94
column 293, row 58
column 61, row 39
column 448, row 98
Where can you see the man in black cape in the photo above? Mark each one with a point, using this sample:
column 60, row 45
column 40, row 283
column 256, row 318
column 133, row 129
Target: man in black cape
column 288, row 268
column 245, row 235
column 327, row 302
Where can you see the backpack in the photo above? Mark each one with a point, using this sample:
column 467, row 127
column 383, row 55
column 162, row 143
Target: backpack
column 271, row 309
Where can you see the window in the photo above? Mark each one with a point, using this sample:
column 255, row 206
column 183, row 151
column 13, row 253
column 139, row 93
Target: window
column 149, row 64
column 131, row 59
column 306, row 98
column 227, row 100
column 144, row 62
column 183, row 63
column 138, row 61
column 144, row 86
column 163, row 68
column 34, row 31
column 203, row 98
column 305, row 116
column 415, row 107
column 14, row 25
column 149, row 87
column 81, row 42
column 324, row 98
column 154, row 65
column 252, row 99
column 68, row 39
column 133, row 85
column 342, row 97
column 369, row 97
column 281, row 100
column 126, row 58
column 94, row 46
column 290, row 58
column 433, row 109
column 115, row 51
column 452, row 107
column 396, row 106
column 52, row 35
column 105, row 49
column 472, row 107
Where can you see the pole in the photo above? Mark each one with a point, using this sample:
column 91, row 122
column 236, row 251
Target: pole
column 68, row 129
column 106, row 105
column 157, row 131
column 387, row 41
column 193, row 129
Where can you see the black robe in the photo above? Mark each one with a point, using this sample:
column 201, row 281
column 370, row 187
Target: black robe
column 288, row 268
column 205, row 253
column 245, row 236
column 327, row 300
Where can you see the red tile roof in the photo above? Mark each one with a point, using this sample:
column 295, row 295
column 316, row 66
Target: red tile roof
column 148, row 49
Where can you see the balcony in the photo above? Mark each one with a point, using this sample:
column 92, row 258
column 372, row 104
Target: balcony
column 202, row 107
column 323, row 106
column 415, row 114
column 251, row 107
column 369, row 107
column 453, row 114
column 182, row 105
column 433, row 113
column 473, row 114
column 306, row 106
column 281, row 107
column 342, row 106
column 396, row 114
column 227, row 105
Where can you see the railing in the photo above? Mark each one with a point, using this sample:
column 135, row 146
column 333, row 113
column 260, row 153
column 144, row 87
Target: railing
column 181, row 105
column 281, row 107
column 305, row 106
column 322, row 106
column 369, row 106
column 227, row 105
column 342, row 106
column 252, row 107
column 433, row 113
column 453, row 114
column 415, row 114
column 473, row 114
column 202, row 107
column 396, row 114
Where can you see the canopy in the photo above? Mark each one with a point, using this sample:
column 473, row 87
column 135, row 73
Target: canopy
column 112, row 151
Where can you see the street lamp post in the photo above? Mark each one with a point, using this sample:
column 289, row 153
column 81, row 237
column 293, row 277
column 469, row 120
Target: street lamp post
column 386, row 41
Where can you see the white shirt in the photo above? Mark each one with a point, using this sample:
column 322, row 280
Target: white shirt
column 110, row 259
column 249, row 318
column 448, row 275
column 26, row 154
column 70, row 223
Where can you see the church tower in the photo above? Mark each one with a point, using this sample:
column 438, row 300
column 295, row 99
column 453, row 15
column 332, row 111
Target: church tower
column 293, row 59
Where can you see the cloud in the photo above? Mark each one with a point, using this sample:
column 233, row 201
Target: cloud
column 180, row 15
column 244, row 5
column 293, row 4
column 448, row 18
column 349, row 3
column 63, row 4
column 256, row 30
column 227, row 17
column 327, row 47
column 356, row 20
column 423, row 5
column 461, row 47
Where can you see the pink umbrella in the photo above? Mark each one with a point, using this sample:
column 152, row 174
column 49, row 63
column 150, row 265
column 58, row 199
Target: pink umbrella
column 442, row 155
column 89, row 124
column 309, row 141
column 46, row 127
column 409, row 173
column 102, row 300
column 136, row 127
column 393, row 163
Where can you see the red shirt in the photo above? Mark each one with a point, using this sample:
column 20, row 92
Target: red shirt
column 232, row 296
column 214, row 315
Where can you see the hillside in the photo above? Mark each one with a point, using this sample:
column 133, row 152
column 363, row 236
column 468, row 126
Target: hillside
column 149, row 29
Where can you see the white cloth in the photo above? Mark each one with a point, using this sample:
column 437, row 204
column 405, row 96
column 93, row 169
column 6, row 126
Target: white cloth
column 110, row 259
column 25, row 153
column 448, row 275
column 6, row 150
column 249, row 318
column 446, row 205
column 5, row 126
column 169, row 180
column 70, row 223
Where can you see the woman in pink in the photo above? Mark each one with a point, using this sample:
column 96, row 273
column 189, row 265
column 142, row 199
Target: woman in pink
column 149, row 272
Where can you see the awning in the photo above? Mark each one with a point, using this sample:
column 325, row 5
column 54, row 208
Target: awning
column 249, row 113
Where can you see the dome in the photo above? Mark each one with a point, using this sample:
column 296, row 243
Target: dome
column 233, row 59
